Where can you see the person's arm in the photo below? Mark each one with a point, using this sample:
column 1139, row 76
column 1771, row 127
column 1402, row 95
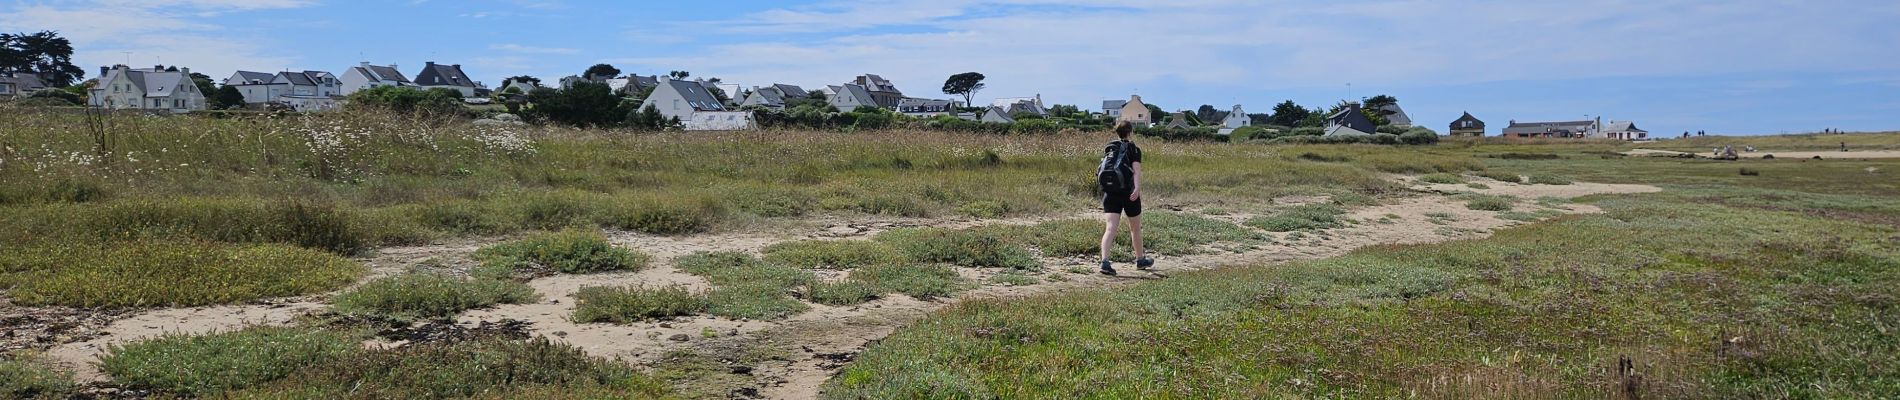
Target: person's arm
column 1136, row 195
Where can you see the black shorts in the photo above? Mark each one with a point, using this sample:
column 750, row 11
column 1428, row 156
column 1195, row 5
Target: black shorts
column 1118, row 203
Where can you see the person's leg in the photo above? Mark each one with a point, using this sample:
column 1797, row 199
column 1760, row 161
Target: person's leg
column 1134, row 237
column 1112, row 222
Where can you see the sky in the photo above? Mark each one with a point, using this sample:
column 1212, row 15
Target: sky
column 1726, row 67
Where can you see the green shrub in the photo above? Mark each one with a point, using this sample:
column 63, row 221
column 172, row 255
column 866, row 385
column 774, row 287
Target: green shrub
column 1502, row 176
column 985, row 209
column 463, row 217
column 25, row 377
column 667, row 215
column 427, row 295
column 556, row 210
column 846, row 292
column 622, row 305
column 571, row 251
column 1013, row 279
column 209, row 364
column 753, row 301
column 1383, row 138
column 1549, row 179
column 920, row 281
column 832, row 254
column 736, row 268
column 168, row 273
column 480, row 368
column 1442, row 178
column 1300, row 218
column 1418, row 136
column 966, row 248
column 1488, row 202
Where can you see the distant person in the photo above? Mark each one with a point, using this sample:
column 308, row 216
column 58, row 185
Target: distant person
column 1843, row 147
column 1119, row 176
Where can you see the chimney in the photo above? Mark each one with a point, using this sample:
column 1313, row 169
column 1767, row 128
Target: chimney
column 103, row 69
column 365, row 63
column 186, row 71
column 429, row 64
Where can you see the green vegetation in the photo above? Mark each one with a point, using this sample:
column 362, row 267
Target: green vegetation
column 1300, row 218
column 754, row 301
column 28, row 377
column 150, row 273
column 846, row 292
column 487, row 368
column 211, row 364
column 1529, row 216
column 919, row 281
column 740, row 269
column 833, row 254
column 1501, row 176
column 430, row 296
column 969, row 248
column 636, row 303
column 1548, row 179
column 1013, row 279
column 1484, row 202
column 1442, row 178
column 571, row 252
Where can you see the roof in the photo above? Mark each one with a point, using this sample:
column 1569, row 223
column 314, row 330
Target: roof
column 874, row 83
column 696, row 94
column 1350, row 116
column 1178, row 120
column 1396, row 115
column 23, row 82
column 859, row 92
column 379, row 73
column 791, row 91
column 768, row 95
column 911, row 102
column 160, row 84
column 1342, row 130
column 1539, row 128
column 1113, row 104
column 1622, row 126
column 299, row 78
column 999, row 113
column 451, row 75
column 247, row 77
column 1475, row 122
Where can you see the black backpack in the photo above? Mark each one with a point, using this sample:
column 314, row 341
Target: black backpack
column 1114, row 175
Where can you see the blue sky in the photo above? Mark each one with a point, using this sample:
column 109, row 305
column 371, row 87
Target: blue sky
column 1734, row 67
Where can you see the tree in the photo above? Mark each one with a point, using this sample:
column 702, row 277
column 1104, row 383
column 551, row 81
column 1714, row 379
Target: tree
column 586, row 104
column 227, row 97
column 1155, row 114
column 680, row 74
column 521, row 78
column 1288, row 114
column 964, row 84
column 1374, row 109
column 437, row 101
column 204, row 84
column 1066, row 111
column 44, row 54
column 606, row 70
column 1209, row 113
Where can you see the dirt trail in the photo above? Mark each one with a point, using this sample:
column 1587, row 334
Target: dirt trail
column 825, row 338
column 1791, row 155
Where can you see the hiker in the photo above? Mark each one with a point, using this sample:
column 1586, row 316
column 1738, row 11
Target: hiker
column 1843, row 147
column 1119, row 177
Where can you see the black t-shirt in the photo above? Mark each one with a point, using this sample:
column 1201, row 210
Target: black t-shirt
column 1134, row 154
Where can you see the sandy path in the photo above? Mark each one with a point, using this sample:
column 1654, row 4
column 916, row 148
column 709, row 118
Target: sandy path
column 824, row 338
column 1825, row 155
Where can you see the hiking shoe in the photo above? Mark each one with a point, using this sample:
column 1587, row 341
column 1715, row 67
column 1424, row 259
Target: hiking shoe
column 1145, row 264
column 1106, row 269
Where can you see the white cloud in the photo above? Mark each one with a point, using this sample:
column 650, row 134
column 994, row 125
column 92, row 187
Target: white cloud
column 151, row 32
column 516, row 48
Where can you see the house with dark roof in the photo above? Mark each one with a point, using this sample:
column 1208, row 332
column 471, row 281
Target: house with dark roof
column 1623, row 130
column 1396, row 116
column 1467, row 125
column 1113, row 108
column 852, row 96
column 882, row 92
column 1135, row 113
column 1178, row 120
column 365, row 76
column 263, row 87
column 1022, row 105
column 695, row 106
column 159, row 88
column 1557, row 129
column 14, row 84
column 916, row 107
column 447, row 76
column 1349, row 121
column 996, row 115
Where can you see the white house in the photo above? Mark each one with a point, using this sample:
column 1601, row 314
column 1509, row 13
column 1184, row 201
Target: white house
column 925, row 108
column 775, row 96
column 851, row 96
column 447, row 76
column 686, row 100
column 1113, row 108
column 1017, row 105
column 122, row 87
column 367, row 76
column 1623, row 130
column 525, row 87
column 1236, row 119
column 996, row 115
column 259, row 87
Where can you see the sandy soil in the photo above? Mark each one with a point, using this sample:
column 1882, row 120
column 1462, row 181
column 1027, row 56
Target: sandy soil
column 1792, row 155
column 825, row 338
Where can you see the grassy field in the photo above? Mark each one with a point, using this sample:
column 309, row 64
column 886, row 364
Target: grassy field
column 1775, row 284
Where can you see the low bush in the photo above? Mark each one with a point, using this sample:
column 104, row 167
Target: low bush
column 1300, row 218
column 735, row 269
column 966, row 248
column 1526, row 156
column 1488, row 202
column 1013, row 279
column 481, row 368
column 753, row 301
column 1442, row 178
column 833, row 254
column 925, row 281
column 427, row 295
column 1418, row 136
column 1502, row 176
column 150, row 273
column 622, row 305
column 571, row 251
column 1549, row 179
column 27, row 377
column 667, row 215
column 210, row 364
column 846, row 292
